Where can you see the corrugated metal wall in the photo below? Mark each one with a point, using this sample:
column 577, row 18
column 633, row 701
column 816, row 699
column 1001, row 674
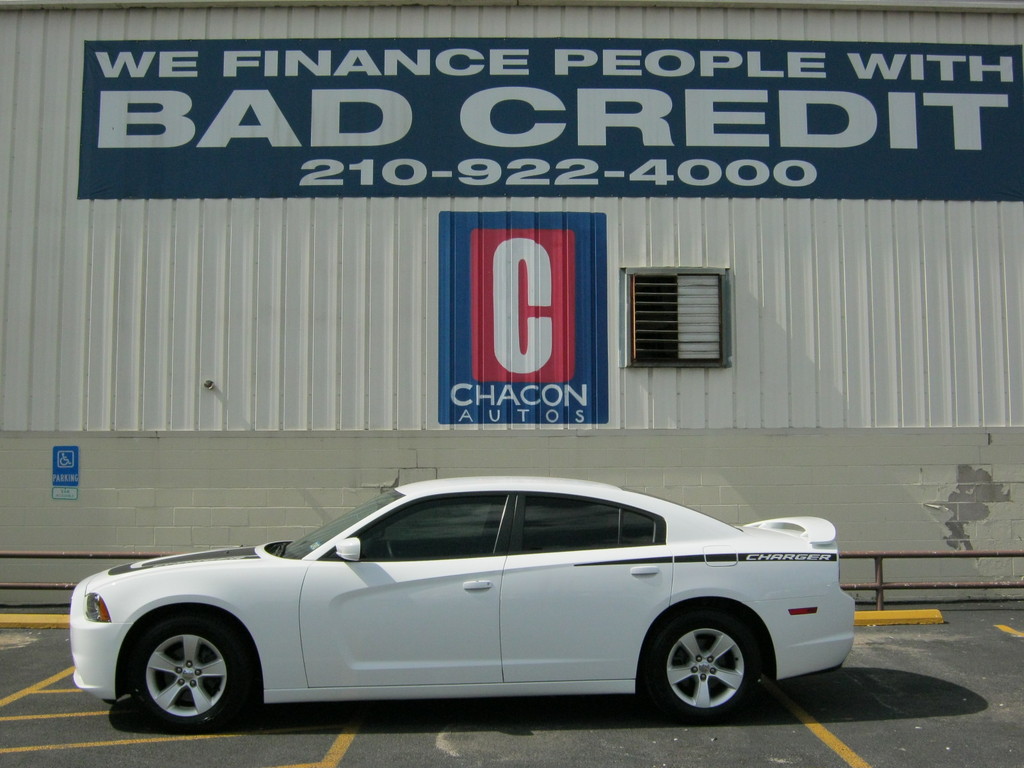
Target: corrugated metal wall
column 321, row 314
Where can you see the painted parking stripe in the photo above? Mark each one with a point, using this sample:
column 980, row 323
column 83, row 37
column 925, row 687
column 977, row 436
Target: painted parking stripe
column 16, row 718
column 1010, row 630
column 826, row 736
column 331, row 759
column 114, row 743
column 37, row 687
column 337, row 750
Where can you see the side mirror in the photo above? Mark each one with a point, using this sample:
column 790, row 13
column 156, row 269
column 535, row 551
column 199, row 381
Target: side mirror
column 350, row 549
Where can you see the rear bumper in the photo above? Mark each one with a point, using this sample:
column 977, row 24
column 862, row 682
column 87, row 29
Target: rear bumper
column 810, row 643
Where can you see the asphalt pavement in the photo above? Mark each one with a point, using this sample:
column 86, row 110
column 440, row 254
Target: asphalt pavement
column 910, row 696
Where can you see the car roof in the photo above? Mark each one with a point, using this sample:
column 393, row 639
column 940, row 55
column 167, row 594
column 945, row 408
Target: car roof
column 515, row 483
column 682, row 520
column 507, row 483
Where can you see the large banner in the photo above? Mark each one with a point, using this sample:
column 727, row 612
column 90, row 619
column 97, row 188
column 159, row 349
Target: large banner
column 553, row 116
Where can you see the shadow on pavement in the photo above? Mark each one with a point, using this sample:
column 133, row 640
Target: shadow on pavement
column 845, row 696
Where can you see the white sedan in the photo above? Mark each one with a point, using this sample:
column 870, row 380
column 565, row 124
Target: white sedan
column 468, row 588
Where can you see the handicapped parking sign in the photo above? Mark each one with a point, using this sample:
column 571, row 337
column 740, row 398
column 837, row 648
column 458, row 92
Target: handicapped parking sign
column 65, row 471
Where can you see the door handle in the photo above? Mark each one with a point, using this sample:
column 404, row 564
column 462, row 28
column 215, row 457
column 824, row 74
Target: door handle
column 477, row 586
column 645, row 570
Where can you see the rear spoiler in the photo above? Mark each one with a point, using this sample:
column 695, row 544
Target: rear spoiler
column 815, row 530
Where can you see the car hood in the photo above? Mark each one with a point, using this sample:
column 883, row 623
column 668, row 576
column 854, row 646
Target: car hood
column 235, row 553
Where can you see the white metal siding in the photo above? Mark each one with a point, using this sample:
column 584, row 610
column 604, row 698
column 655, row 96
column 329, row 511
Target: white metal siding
column 321, row 314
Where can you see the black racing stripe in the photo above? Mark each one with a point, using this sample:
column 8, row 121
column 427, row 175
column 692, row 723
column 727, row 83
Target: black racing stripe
column 689, row 558
column 716, row 558
column 721, row 558
column 761, row 557
column 246, row 553
column 633, row 561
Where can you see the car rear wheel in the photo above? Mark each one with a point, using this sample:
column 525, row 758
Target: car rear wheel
column 701, row 666
column 193, row 673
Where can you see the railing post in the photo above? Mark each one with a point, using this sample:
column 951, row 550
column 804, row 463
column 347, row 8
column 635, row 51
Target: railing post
column 879, row 591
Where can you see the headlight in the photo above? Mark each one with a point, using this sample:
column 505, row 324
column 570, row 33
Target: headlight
column 96, row 609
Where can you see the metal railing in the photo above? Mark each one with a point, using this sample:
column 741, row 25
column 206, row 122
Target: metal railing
column 68, row 585
column 879, row 586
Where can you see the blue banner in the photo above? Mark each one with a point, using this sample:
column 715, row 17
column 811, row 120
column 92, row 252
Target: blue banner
column 522, row 322
column 551, row 117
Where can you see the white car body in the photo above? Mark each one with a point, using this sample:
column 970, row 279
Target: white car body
column 503, row 623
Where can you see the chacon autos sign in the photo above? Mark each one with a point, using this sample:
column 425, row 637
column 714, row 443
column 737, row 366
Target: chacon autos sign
column 522, row 322
column 551, row 117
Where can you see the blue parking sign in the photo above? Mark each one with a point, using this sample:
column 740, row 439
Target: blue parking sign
column 65, row 466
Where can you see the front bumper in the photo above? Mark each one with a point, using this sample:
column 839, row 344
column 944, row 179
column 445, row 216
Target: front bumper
column 94, row 648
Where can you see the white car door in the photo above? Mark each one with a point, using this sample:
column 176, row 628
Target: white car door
column 420, row 607
column 582, row 584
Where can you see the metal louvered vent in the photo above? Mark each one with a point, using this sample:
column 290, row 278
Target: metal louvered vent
column 678, row 318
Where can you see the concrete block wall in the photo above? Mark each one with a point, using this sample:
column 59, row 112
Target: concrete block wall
column 885, row 489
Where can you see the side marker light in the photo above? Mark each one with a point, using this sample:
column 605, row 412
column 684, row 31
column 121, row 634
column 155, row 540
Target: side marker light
column 803, row 611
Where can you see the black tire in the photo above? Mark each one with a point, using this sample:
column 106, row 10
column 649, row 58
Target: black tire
column 194, row 673
column 701, row 666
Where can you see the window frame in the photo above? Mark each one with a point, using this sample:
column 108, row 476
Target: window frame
column 501, row 539
column 519, row 523
column 629, row 359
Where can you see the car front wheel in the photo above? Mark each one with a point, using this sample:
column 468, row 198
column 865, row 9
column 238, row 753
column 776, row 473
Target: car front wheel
column 192, row 673
column 701, row 666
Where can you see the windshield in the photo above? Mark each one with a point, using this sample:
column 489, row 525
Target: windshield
column 299, row 548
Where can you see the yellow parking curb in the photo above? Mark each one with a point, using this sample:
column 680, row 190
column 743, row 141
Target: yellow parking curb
column 891, row 618
column 34, row 621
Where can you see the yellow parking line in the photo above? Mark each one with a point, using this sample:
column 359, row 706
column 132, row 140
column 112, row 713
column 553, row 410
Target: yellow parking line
column 36, row 688
column 340, row 746
column 330, row 760
column 13, row 718
column 826, row 736
column 1009, row 630
column 337, row 750
column 117, row 743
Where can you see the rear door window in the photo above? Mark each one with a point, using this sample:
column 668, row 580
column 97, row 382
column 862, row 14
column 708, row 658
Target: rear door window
column 553, row 524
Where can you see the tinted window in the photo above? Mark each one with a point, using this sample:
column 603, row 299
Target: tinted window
column 553, row 524
column 636, row 529
column 302, row 547
column 439, row 528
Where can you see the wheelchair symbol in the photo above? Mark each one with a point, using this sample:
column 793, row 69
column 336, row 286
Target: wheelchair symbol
column 66, row 459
